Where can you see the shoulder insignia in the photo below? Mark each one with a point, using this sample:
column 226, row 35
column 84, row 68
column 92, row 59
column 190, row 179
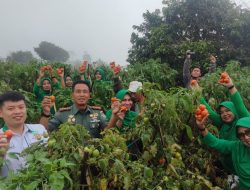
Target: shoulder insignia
column 96, row 108
column 64, row 109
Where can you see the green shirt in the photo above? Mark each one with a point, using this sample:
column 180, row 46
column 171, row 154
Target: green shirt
column 93, row 120
column 240, row 157
column 228, row 130
column 40, row 93
column 128, row 121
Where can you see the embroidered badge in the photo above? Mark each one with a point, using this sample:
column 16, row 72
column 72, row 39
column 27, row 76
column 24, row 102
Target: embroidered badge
column 71, row 119
column 93, row 120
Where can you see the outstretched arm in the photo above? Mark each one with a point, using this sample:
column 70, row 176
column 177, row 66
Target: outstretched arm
column 236, row 98
column 210, row 140
column 213, row 115
column 186, row 70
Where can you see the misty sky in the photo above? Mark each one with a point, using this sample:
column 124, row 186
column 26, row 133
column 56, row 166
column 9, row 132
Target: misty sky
column 100, row 27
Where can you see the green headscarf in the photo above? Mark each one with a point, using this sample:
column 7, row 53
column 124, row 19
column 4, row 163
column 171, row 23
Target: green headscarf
column 130, row 116
column 46, row 78
column 47, row 92
column 102, row 73
column 121, row 93
column 229, row 105
column 243, row 122
column 228, row 131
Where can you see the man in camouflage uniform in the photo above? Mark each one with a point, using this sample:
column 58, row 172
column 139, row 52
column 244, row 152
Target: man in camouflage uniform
column 92, row 118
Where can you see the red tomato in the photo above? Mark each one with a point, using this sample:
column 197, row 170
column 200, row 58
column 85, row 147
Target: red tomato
column 224, row 75
column 193, row 82
column 204, row 113
column 123, row 109
column 202, row 107
column 226, row 80
column 8, row 133
column 162, row 160
column 114, row 99
column 52, row 98
column 198, row 111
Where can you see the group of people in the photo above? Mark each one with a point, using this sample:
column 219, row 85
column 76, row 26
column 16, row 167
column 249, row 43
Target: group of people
column 13, row 112
column 232, row 117
column 233, row 121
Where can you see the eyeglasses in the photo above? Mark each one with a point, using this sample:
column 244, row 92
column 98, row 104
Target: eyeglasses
column 242, row 135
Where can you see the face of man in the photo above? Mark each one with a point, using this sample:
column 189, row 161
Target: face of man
column 81, row 95
column 68, row 81
column 46, row 85
column 98, row 76
column 244, row 135
column 226, row 115
column 14, row 113
column 196, row 72
column 127, row 101
column 135, row 96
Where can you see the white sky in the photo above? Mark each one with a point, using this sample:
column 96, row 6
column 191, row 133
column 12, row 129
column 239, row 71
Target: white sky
column 100, row 27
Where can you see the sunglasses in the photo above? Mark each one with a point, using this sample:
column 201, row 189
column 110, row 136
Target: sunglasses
column 242, row 135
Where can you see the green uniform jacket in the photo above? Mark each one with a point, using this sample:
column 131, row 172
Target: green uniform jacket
column 93, row 120
column 228, row 130
column 239, row 153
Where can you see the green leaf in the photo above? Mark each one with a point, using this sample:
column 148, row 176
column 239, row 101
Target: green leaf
column 127, row 182
column 56, row 180
column 14, row 155
column 189, row 132
column 31, row 186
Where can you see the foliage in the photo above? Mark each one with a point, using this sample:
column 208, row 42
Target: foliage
column 171, row 155
column 51, row 52
column 218, row 27
column 152, row 71
column 20, row 57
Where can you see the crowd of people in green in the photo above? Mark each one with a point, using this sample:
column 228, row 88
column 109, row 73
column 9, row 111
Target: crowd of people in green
column 231, row 117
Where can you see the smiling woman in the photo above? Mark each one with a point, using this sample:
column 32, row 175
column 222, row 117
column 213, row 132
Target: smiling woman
column 239, row 151
column 123, row 119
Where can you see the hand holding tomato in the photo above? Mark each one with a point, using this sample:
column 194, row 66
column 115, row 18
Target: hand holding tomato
column 115, row 106
column 121, row 115
column 112, row 65
column 46, row 104
column 116, row 69
column 123, row 109
column 225, row 80
column 201, row 123
column 201, row 112
column 83, row 67
column 4, row 144
column 60, row 71
column 41, row 73
column 194, row 83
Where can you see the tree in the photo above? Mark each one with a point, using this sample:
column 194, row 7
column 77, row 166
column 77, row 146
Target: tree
column 210, row 26
column 20, row 56
column 51, row 52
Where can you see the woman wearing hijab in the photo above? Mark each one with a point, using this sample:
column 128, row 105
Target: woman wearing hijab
column 119, row 117
column 229, row 113
column 238, row 149
column 43, row 86
column 101, row 89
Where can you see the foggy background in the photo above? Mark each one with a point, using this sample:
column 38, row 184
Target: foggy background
column 102, row 28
